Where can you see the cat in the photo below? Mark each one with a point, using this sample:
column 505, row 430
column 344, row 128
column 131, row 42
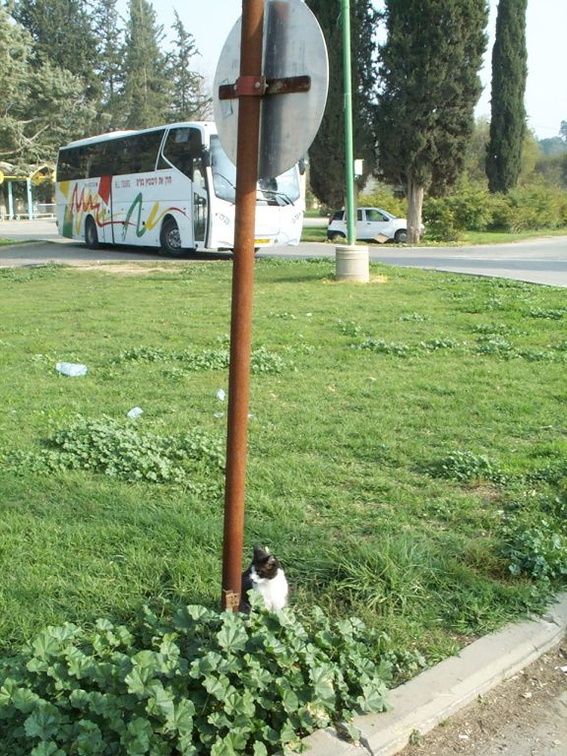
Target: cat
column 266, row 576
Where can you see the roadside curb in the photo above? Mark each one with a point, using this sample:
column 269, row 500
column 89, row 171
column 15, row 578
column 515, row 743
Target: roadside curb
column 422, row 703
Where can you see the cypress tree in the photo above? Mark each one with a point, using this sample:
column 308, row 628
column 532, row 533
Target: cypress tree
column 429, row 68
column 508, row 115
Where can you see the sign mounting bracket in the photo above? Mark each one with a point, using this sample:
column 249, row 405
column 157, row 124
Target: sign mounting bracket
column 258, row 86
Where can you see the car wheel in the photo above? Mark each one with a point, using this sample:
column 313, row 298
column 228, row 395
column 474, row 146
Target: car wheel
column 170, row 238
column 336, row 236
column 401, row 236
column 91, row 234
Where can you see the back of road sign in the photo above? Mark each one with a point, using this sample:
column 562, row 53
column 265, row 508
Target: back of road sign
column 294, row 46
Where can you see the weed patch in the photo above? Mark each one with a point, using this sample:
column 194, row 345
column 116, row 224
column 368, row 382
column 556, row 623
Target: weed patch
column 466, row 467
column 199, row 683
column 262, row 360
column 120, row 450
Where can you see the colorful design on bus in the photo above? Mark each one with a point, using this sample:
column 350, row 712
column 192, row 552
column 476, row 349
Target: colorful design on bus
column 151, row 221
column 84, row 201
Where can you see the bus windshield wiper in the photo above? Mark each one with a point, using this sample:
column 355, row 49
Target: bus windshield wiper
column 278, row 195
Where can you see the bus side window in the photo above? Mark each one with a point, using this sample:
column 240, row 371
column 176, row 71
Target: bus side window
column 122, row 162
column 99, row 163
column 69, row 164
column 182, row 147
column 145, row 151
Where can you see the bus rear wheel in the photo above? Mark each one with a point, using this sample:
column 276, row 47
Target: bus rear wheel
column 170, row 238
column 91, row 234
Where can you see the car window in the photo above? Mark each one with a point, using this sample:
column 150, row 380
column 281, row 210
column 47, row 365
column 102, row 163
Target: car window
column 375, row 215
column 359, row 215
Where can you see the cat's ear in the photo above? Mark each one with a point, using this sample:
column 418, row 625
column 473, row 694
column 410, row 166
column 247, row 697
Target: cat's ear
column 260, row 554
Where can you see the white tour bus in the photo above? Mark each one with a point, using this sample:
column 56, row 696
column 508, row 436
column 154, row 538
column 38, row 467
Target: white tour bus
column 171, row 187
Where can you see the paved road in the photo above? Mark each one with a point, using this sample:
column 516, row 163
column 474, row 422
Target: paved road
column 542, row 260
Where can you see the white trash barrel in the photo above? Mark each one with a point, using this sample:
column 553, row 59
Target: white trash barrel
column 352, row 263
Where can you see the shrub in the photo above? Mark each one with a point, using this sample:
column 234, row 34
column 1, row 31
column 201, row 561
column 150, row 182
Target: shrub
column 528, row 208
column 200, row 683
column 524, row 209
column 439, row 220
column 386, row 200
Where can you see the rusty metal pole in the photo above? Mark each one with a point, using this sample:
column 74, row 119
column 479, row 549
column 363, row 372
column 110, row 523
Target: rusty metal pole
column 250, row 99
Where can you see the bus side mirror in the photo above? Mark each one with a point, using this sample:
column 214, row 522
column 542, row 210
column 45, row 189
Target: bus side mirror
column 206, row 158
column 301, row 166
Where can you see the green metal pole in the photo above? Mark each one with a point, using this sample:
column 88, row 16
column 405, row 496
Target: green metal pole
column 349, row 156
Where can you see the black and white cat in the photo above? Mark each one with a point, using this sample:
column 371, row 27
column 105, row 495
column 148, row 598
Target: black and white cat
column 266, row 576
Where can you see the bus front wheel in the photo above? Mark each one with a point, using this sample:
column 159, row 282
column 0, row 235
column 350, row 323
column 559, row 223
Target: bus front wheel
column 170, row 238
column 91, row 234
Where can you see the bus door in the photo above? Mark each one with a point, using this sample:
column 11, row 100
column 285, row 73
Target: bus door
column 200, row 203
column 183, row 149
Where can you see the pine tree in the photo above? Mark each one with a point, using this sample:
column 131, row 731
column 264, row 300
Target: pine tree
column 42, row 106
column 189, row 101
column 508, row 114
column 146, row 91
column 63, row 36
column 429, row 68
column 15, row 50
column 110, row 65
column 327, row 153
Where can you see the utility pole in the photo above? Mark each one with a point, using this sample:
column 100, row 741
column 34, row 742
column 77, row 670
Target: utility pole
column 349, row 151
column 242, row 294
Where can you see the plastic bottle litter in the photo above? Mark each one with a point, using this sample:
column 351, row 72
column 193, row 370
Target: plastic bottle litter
column 71, row 368
column 221, row 395
column 134, row 412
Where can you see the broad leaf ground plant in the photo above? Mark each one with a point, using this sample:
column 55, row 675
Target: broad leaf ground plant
column 199, row 683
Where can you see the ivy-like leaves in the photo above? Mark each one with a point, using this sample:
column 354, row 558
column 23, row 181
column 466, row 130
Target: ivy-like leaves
column 199, row 683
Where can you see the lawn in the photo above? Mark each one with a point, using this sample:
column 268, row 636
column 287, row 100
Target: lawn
column 407, row 447
column 319, row 234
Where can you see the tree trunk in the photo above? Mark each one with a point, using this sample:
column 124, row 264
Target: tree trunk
column 415, row 204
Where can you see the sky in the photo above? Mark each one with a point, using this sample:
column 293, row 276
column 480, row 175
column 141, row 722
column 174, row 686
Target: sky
column 209, row 21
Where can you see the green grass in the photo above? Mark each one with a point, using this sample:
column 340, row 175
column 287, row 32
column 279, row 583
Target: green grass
column 404, row 434
column 504, row 237
column 319, row 234
column 4, row 241
column 314, row 234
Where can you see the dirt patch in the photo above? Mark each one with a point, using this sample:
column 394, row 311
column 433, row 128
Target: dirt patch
column 123, row 268
column 525, row 716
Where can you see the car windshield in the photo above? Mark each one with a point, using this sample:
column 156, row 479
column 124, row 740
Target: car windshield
column 280, row 190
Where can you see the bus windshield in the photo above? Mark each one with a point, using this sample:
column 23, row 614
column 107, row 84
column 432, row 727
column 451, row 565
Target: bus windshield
column 281, row 190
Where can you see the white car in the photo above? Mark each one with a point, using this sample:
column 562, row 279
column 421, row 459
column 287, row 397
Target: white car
column 372, row 224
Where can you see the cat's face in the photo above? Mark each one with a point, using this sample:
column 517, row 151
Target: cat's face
column 265, row 564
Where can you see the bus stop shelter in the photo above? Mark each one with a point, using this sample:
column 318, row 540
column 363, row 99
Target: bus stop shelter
column 29, row 209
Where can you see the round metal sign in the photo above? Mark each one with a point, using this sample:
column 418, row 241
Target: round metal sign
column 294, row 46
